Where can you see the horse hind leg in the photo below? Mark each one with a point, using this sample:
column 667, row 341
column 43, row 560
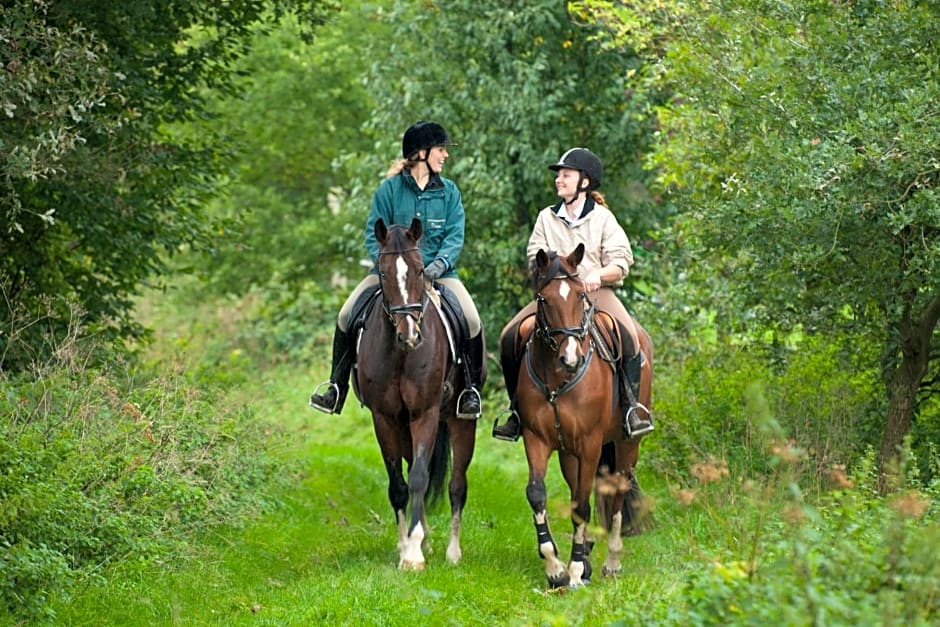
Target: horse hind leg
column 612, row 565
column 453, row 546
column 411, row 557
column 463, row 439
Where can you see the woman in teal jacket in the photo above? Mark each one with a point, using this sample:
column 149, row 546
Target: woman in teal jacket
column 414, row 188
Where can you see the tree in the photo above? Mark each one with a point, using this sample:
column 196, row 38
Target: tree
column 299, row 108
column 93, row 191
column 515, row 84
column 805, row 136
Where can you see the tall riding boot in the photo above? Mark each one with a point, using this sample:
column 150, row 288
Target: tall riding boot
column 512, row 428
column 333, row 399
column 470, row 403
column 634, row 425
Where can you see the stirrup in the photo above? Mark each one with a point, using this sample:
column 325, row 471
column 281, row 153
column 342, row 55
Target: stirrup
column 630, row 433
column 509, row 421
column 316, row 393
column 469, row 390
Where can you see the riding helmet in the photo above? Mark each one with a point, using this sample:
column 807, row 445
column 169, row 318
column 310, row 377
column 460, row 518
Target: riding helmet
column 422, row 135
column 583, row 160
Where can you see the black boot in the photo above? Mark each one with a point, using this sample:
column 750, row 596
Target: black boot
column 470, row 403
column 634, row 425
column 509, row 430
column 333, row 399
column 512, row 428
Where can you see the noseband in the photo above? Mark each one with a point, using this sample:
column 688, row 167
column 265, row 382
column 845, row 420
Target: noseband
column 411, row 310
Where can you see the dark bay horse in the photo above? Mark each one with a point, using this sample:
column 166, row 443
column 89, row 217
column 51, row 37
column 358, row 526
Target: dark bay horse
column 568, row 401
column 406, row 376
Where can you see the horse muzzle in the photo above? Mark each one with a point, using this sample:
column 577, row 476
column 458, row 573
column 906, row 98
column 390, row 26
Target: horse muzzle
column 408, row 339
column 571, row 356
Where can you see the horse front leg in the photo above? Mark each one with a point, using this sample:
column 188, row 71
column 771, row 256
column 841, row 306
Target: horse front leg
column 387, row 437
column 423, row 433
column 555, row 570
column 462, row 443
column 579, row 473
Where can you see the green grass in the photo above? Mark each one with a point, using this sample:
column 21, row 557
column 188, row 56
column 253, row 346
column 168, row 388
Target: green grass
column 759, row 545
column 327, row 552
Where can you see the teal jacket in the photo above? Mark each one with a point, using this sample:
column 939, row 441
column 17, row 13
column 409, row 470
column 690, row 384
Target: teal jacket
column 439, row 207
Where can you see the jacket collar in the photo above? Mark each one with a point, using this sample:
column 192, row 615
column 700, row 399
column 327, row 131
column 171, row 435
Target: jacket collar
column 588, row 207
column 434, row 181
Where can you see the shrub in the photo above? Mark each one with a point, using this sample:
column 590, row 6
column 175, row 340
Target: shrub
column 98, row 465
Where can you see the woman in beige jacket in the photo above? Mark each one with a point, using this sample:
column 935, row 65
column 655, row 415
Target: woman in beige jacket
column 580, row 216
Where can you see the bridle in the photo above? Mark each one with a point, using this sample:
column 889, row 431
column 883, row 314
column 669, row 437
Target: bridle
column 546, row 332
column 414, row 311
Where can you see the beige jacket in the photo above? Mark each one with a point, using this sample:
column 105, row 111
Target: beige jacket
column 605, row 241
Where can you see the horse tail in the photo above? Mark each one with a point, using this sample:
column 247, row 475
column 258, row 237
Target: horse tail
column 439, row 464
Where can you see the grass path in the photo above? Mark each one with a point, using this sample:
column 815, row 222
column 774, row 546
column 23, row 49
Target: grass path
column 325, row 551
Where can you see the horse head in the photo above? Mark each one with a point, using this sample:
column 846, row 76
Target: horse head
column 401, row 277
column 563, row 309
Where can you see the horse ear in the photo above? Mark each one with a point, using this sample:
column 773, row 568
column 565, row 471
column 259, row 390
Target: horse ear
column 381, row 231
column 541, row 259
column 416, row 229
column 575, row 258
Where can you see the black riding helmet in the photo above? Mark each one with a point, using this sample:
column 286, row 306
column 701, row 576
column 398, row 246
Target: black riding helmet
column 584, row 161
column 422, row 136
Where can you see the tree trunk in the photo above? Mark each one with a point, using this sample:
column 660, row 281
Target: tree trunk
column 902, row 398
column 914, row 338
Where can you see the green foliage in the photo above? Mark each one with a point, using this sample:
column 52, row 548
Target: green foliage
column 299, row 107
column 749, row 548
column 850, row 559
column 773, row 533
column 801, row 139
column 92, row 190
column 515, row 85
column 728, row 403
column 819, row 135
column 114, row 465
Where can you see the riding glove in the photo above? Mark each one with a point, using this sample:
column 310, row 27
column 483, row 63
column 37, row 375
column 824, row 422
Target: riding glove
column 435, row 269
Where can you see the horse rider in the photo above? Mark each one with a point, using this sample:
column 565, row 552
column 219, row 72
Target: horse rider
column 580, row 216
column 414, row 188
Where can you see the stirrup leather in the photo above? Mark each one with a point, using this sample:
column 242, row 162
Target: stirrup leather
column 630, row 433
column 469, row 390
column 316, row 393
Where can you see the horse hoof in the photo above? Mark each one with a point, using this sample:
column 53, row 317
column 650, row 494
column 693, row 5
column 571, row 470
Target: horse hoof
column 407, row 565
column 611, row 572
column 559, row 581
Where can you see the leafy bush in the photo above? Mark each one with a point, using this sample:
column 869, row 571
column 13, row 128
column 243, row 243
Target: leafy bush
column 98, row 466
column 852, row 558
column 732, row 404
